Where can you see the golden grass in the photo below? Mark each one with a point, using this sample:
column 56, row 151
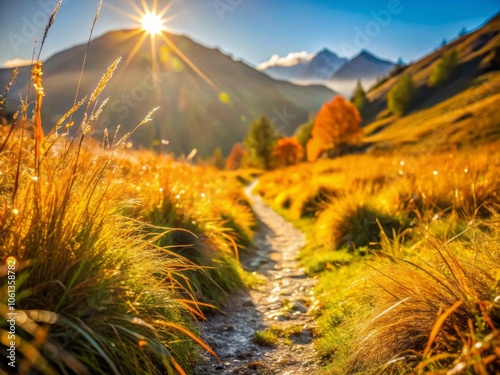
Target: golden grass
column 428, row 309
column 407, row 257
column 469, row 118
column 114, row 248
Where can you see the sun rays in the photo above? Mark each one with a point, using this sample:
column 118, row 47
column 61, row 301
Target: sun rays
column 153, row 22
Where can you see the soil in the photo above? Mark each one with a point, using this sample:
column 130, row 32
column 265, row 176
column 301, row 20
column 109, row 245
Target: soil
column 282, row 302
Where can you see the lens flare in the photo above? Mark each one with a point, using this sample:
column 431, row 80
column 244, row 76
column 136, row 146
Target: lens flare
column 152, row 23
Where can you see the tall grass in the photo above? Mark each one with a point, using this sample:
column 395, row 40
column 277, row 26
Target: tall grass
column 113, row 248
column 92, row 289
column 406, row 251
column 208, row 205
column 437, row 312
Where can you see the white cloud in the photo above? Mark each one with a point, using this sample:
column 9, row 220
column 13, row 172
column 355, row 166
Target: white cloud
column 293, row 58
column 15, row 62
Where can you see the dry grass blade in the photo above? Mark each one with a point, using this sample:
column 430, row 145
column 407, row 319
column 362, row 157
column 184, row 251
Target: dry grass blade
column 144, row 121
column 49, row 25
column 196, row 309
column 96, row 17
column 188, row 333
column 177, row 367
column 13, row 76
column 390, row 308
column 68, row 114
column 59, row 123
column 37, row 83
column 438, row 324
column 103, row 82
column 438, row 280
column 2, row 100
column 436, row 358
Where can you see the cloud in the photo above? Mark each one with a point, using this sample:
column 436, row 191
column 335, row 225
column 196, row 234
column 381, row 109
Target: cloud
column 16, row 62
column 293, row 58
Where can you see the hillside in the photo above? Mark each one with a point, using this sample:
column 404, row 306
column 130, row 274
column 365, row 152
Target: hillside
column 460, row 112
column 206, row 99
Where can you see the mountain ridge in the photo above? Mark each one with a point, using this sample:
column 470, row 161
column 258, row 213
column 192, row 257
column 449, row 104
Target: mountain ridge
column 327, row 68
column 206, row 98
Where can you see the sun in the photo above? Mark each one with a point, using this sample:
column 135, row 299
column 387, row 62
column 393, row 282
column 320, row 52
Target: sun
column 152, row 23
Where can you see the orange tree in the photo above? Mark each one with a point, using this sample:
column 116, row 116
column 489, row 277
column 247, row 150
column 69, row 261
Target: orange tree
column 288, row 151
column 335, row 127
column 234, row 159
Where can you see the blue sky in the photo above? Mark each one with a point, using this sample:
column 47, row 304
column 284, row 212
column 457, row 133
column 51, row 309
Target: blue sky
column 254, row 30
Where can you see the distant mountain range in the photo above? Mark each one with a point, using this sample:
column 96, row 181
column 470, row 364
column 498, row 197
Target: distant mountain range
column 327, row 68
column 207, row 99
column 304, row 67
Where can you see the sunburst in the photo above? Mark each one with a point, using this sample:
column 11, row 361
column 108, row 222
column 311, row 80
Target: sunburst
column 152, row 23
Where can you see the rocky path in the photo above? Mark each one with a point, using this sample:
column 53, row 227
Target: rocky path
column 279, row 307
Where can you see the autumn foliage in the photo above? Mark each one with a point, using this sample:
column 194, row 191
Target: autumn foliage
column 288, row 151
column 336, row 125
column 234, row 159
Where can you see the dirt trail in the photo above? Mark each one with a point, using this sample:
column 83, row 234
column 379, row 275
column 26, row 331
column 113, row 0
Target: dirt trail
column 283, row 301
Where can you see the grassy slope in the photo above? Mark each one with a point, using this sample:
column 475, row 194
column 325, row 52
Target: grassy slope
column 456, row 111
column 470, row 117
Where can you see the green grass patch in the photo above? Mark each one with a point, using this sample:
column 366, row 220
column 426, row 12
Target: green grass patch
column 266, row 338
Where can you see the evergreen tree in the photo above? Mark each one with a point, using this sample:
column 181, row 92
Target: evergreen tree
column 400, row 96
column 260, row 142
column 218, row 159
column 359, row 98
column 303, row 132
column 445, row 69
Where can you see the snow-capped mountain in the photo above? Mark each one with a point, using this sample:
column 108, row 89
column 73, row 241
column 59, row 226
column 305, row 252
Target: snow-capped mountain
column 364, row 66
column 303, row 66
column 324, row 65
column 327, row 68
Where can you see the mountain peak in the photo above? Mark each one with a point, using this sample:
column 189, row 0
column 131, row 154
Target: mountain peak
column 367, row 55
column 365, row 52
column 326, row 52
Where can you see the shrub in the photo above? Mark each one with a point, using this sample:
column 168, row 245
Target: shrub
column 355, row 222
column 400, row 96
column 445, row 69
column 310, row 201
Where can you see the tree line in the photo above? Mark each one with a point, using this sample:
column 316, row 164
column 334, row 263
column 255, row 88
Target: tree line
column 334, row 130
